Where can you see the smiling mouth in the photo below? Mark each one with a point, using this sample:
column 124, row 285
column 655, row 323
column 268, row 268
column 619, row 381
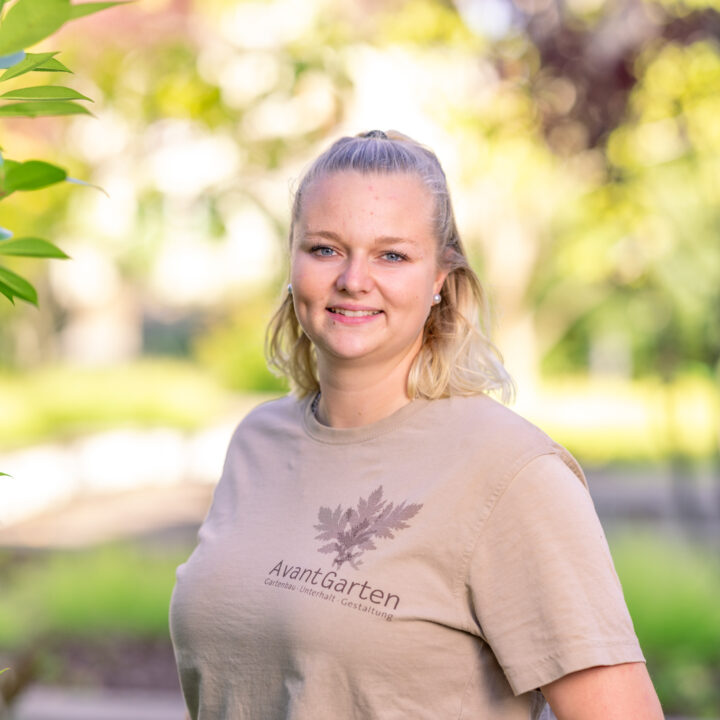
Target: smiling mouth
column 354, row 313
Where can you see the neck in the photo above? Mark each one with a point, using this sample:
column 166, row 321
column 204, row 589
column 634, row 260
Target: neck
column 351, row 398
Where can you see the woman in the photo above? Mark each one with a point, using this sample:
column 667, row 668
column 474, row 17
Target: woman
column 390, row 542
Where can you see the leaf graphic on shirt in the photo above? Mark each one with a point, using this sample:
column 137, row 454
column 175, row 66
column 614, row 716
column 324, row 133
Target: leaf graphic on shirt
column 331, row 523
column 394, row 519
column 351, row 531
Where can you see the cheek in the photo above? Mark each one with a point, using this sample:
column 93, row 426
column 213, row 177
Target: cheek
column 418, row 289
column 301, row 278
column 309, row 289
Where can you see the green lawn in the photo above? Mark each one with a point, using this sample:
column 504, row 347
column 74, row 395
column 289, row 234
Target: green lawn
column 673, row 592
column 603, row 420
column 62, row 402
column 119, row 588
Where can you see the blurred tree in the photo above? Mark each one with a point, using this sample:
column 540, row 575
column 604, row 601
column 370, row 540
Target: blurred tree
column 626, row 92
column 645, row 240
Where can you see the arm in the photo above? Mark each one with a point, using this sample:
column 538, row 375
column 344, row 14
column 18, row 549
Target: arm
column 612, row 692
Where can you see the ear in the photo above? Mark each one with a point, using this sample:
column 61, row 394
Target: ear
column 439, row 280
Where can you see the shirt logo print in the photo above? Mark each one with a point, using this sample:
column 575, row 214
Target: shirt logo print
column 352, row 532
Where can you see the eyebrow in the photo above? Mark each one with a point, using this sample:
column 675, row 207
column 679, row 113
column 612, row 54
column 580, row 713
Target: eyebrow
column 381, row 240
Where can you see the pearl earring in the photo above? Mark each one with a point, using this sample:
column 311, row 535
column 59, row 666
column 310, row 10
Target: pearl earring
column 436, row 299
column 289, row 288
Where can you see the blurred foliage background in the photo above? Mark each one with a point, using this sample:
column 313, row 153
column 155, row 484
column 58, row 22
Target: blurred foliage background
column 582, row 143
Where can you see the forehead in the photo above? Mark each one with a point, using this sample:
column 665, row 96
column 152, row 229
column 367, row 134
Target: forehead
column 392, row 198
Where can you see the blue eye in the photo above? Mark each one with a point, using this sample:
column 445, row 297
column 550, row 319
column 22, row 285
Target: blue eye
column 395, row 256
column 322, row 251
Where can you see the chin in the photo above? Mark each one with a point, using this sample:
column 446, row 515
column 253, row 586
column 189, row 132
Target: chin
column 344, row 347
column 347, row 353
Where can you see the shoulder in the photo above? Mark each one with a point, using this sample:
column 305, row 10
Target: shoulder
column 276, row 410
column 497, row 434
column 482, row 409
column 482, row 419
column 274, row 417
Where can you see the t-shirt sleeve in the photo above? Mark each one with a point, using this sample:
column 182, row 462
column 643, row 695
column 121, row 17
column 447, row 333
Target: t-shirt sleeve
column 543, row 586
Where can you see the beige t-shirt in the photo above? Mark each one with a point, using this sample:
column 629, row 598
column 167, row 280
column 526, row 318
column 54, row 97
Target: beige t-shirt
column 444, row 562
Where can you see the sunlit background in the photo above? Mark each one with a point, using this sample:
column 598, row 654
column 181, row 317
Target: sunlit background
column 582, row 143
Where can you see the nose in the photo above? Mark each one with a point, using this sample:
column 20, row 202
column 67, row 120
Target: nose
column 355, row 276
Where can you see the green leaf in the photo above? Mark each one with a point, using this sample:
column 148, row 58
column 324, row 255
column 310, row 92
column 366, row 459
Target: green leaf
column 31, row 247
column 31, row 175
column 17, row 286
column 7, row 167
column 32, row 61
column 53, row 65
column 29, row 21
column 7, row 61
column 78, row 11
column 7, row 293
column 4, row 669
column 45, row 92
column 43, row 108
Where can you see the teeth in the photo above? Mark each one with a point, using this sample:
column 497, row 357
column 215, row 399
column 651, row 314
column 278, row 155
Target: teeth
column 354, row 313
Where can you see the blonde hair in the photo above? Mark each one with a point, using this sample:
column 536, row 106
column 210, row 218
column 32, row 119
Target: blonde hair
column 457, row 356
